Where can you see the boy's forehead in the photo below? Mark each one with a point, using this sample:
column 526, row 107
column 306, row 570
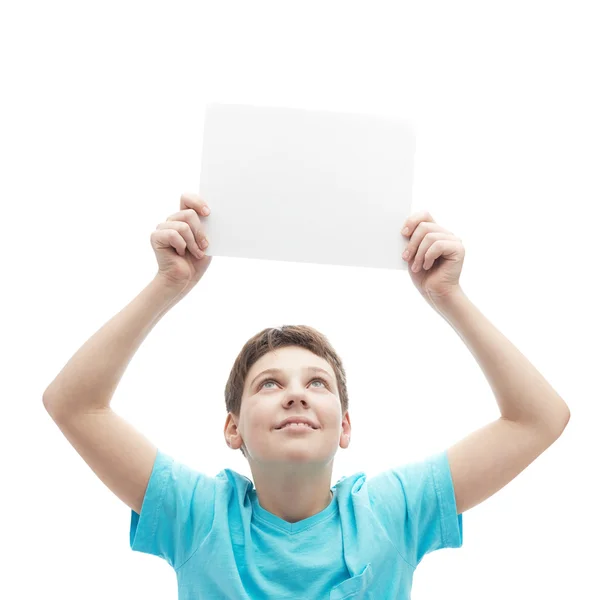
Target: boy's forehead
column 290, row 359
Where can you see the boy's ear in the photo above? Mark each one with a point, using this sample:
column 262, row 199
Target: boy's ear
column 230, row 431
column 346, row 431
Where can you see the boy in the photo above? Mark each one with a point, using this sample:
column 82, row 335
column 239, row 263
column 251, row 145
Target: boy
column 291, row 535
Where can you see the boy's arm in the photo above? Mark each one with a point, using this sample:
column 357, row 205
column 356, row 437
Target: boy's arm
column 119, row 455
column 533, row 414
column 486, row 460
column 89, row 379
column 78, row 400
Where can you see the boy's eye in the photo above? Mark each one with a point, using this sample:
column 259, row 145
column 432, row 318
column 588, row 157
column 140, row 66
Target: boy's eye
column 273, row 381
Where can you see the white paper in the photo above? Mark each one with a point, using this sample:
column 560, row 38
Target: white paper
column 306, row 186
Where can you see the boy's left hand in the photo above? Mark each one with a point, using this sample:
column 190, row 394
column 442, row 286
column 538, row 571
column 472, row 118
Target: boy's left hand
column 437, row 254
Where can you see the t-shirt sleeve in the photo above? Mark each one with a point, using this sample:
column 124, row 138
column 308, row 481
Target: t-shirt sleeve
column 416, row 506
column 177, row 511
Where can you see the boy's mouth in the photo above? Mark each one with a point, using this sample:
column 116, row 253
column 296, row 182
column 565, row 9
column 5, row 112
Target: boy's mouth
column 296, row 427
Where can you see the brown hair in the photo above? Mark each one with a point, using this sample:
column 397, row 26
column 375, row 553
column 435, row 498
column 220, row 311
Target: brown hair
column 270, row 339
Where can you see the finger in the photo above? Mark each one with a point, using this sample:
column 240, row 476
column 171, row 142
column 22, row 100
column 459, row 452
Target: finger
column 418, row 234
column 167, row 238
column 184, row 230
column 191, row 200
column 444, row 247
column 428, row 241
column 414, row 220
column 190, row 216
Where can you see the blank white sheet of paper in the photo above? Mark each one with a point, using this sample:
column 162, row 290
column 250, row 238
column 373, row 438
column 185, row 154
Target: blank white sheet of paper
column 306, row 186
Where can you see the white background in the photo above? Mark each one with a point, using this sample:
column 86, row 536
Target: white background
column 100, row 133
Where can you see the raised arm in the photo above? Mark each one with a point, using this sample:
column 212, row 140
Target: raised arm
column 78, row 400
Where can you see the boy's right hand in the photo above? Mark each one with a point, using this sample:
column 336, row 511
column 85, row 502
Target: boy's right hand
column 182, row 231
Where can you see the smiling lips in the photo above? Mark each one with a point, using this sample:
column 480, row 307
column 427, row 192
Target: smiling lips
column 297, row 427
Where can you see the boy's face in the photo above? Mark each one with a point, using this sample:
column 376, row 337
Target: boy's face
column 297, row 390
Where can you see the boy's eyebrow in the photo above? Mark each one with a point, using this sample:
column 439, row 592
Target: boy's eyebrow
column 279, row 372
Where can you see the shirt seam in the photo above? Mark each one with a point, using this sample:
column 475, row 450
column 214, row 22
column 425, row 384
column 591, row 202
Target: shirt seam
column 400, row 553
column 438, row 495
column 163, row 489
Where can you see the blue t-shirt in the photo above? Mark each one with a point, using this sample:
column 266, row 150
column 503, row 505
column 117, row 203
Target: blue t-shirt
column 365, row 544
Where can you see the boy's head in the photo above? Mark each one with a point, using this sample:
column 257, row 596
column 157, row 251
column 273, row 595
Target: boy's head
column 256, row 403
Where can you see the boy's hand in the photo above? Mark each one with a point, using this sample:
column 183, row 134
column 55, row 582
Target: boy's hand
column 180, row 245
column 437, row 257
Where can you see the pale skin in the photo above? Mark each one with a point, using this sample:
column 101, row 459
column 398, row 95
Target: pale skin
column 291, row 470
